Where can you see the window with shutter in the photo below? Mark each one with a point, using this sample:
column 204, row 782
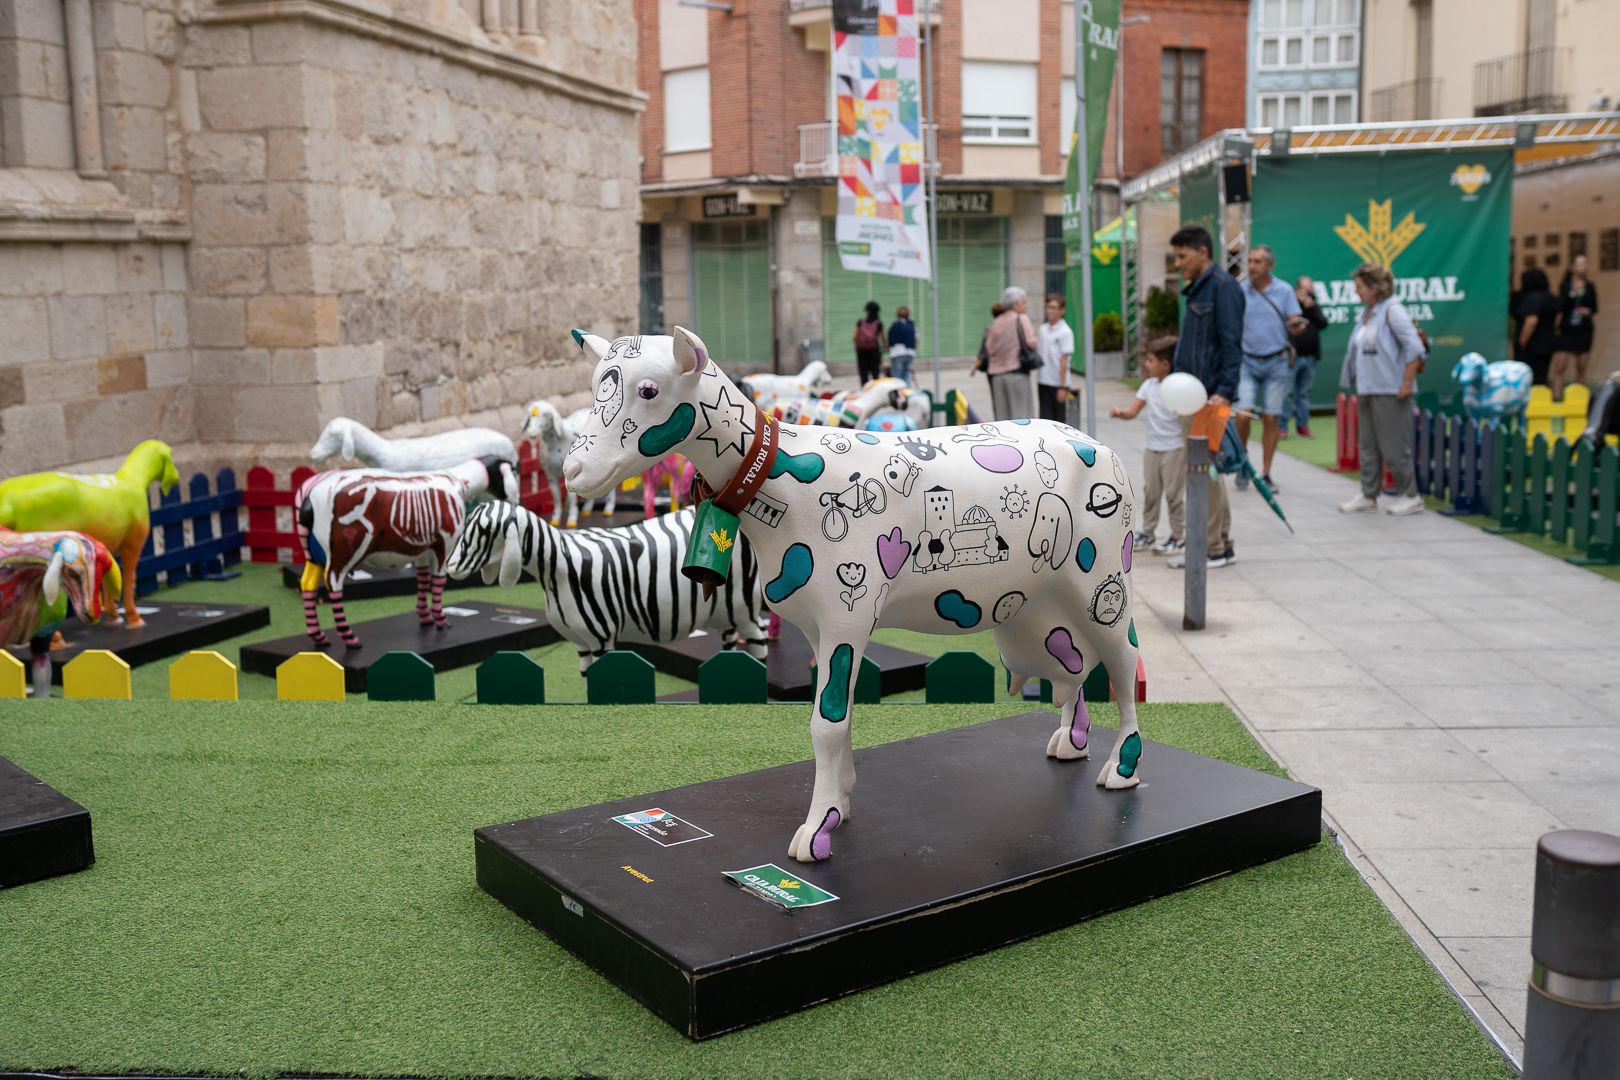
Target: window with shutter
column 731, row 290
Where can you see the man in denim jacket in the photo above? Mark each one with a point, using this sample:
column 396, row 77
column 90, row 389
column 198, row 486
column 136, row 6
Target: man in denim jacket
column 1210, row 347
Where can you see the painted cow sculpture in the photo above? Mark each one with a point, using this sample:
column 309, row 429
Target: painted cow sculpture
column 372, row 517
column 767, row 389
column 556, row 434
column 42, row 574
column 354, row 441
column 1020, row 527
column 1492, row 391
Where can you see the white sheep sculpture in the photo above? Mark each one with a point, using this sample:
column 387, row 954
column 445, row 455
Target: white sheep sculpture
column 353, row 441
column 557, row 433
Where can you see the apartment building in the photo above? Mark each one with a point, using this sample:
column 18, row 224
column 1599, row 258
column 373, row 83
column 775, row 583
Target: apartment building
column 738, row 159
column 1305, row 62
column 1441, row 59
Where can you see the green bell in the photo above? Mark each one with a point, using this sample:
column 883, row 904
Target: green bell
column 708, row 552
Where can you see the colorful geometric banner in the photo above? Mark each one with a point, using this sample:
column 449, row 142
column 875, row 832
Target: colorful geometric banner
column 882, row 205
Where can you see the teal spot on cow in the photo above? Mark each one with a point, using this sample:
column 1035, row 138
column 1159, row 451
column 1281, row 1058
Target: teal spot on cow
column 1086, row 451
column 804, row 468
column 797, row 566
column 953, row 607
column 835, row 698
column 659, row 440
column 1130, row 754
column 1087, row 555
column 868, row 439
column 1131, row 634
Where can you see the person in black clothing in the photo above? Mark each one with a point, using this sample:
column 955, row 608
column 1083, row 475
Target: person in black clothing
column 1307, row 330
column 1577, row 303
column 1535, row 319
column 870, row 343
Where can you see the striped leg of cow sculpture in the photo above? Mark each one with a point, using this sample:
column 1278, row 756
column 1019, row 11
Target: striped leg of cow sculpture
column 1021, row 527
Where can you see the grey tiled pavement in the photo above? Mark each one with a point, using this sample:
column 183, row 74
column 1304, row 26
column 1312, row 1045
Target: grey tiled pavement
column 1454, row 695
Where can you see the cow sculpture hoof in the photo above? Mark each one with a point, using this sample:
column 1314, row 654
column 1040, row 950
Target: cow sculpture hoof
column 1061, row 746
column 813, row 841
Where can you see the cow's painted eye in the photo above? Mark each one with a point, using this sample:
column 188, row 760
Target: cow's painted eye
column 646, row 389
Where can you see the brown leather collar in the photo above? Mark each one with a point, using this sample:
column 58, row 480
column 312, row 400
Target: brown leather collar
column 751, row 475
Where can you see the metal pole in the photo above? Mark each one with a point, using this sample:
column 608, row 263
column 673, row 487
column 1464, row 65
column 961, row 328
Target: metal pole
column 1572, row 1020
column 1197, row 549
column 1119, row 178
column 932, row 186
column 1083, row 197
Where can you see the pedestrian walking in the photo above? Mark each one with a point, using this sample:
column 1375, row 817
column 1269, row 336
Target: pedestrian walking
column 1056, row 348
column 1164, row 459
column 1267, row 375
column 1535, row 330
column 1577, row 303
column 1010, row 346
column 1381, row 363
column 902, row 345
column 869, row 343
column 1308, row 344
column 1210, row 349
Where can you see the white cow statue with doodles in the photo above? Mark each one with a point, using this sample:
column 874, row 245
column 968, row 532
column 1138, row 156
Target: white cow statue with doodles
column 1021, row 527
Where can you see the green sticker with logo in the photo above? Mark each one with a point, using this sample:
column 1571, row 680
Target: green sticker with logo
column 780, row 887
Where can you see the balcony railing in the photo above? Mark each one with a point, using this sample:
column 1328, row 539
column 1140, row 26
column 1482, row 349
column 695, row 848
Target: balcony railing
column 1525, row 82
column 1415, row 99
column 818, row 149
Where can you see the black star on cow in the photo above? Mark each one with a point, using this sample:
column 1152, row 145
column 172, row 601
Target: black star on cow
column 726, row 424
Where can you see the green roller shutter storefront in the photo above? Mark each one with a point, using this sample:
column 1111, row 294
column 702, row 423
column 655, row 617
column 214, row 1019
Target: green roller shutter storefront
column 731, row 289
column 972, row 261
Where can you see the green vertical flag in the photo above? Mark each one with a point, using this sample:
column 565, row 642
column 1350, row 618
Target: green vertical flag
column 1100, row 24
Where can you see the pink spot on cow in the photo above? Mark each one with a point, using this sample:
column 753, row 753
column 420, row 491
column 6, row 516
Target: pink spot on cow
column 1061, row 645
column 892, row 552
column 821, row 843
column 1125, row 552
column 998, row 457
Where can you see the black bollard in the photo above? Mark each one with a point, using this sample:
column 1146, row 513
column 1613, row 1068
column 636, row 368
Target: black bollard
column 1197, row 550
column 1572, row 1023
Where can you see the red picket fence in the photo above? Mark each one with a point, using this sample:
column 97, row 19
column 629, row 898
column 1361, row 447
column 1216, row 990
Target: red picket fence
column 270, row 515
column 1347, row 438
column 533, row 493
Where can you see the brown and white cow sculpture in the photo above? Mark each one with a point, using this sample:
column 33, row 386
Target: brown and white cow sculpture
column 1022, row 528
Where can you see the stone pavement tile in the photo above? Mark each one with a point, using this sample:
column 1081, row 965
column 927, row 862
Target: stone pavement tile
column 1228, row 631
column 1473, row 608
column 1363, row 605
column 1481, row 892
column 1586, row 667
column 1500, row 966
column 1271, row 708
column 1357, row 636
column 1329, row 758
column 1297, row 670
column 1492, row 1019
column 1416, row 813
column 1581, row 804
column 1545, row 635
column 1555, row 755
column 1473, row 667
column 1531, row 704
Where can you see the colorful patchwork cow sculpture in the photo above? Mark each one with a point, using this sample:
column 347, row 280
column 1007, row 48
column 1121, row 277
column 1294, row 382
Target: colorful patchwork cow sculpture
column 1020, row 527
column 41, row 574
column 605, row 587
column 111, row 507
column 356, row 517
column 1492, row 391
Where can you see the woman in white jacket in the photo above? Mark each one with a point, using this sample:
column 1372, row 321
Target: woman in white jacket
column 1381, row 363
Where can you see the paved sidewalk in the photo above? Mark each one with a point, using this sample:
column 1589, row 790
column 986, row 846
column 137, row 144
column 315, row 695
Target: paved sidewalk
column 1454, row 695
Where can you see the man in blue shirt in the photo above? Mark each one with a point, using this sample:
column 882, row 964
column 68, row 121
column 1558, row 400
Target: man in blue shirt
column 1209, row 347
column 1271, row 316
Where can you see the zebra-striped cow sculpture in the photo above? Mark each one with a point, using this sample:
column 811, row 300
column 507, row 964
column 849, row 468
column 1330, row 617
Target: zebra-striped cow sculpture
column 1021, row 527
column 352, row 517
column 605, row 587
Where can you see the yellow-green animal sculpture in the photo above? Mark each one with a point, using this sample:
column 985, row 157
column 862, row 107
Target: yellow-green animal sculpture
column 111, row 507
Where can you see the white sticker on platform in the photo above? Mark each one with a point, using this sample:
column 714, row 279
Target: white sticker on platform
column 461, row 612
column 514, row 620
column 359, row 575
column 199, row 613
column 573, row 905
column 146, row 610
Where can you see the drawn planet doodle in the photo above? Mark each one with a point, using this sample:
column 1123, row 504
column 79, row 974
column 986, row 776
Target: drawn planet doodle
column 1104, row 500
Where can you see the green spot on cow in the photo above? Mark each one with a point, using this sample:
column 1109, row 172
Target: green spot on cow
column 804, row 468
column 658, row 441
column 835, row 698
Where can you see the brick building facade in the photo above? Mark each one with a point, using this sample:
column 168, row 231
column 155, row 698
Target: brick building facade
column 223, row 223
column 737, row 159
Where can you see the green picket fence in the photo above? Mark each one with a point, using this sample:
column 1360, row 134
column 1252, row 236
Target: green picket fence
column 1570, row 494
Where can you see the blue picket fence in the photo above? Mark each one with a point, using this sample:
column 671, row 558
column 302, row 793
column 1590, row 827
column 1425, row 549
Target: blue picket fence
column 1452, row 458
column 196, row 533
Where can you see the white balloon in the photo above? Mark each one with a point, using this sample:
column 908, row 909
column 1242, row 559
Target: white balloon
column 1182, row 393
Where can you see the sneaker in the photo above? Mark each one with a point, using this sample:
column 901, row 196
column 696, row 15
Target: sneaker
column 1283, row 434
column 1359, row 505
column 1142, row 542
column 1179, row 560
column 1272, row 484
column 1409, row 504
column 1168, row 546
column 1305, row 433
column 1242, row 481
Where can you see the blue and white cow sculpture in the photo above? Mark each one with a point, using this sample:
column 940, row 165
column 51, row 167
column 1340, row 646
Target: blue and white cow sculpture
column 1020, row 527
column 1492, row 391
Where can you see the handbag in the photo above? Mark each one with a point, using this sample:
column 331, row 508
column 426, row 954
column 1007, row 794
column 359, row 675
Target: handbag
column 1028, row 359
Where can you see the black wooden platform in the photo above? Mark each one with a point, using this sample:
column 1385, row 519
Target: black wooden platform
column 368, row 584
column 787, row 663
column 170, row 629
column 477, row 632
column 43, row 833
column 958, row 842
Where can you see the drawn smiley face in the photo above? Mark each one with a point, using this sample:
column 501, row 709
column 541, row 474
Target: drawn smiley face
column 1007, row 606
column 609, row 395
column 1108, row 602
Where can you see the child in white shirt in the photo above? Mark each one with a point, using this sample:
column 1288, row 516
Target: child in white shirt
column 1165, row 460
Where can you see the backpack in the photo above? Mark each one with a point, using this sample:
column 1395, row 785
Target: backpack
column 866, row 334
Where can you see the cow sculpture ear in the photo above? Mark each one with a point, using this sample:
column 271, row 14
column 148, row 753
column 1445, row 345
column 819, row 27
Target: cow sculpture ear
column 690, row 353
column 594, row 347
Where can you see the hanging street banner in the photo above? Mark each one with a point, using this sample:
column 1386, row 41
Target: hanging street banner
column 1100, row 21
column 882, row 204
column 1439, row 220
column 1201, row 201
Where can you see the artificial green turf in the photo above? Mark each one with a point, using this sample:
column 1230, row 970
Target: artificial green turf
column 289, row 887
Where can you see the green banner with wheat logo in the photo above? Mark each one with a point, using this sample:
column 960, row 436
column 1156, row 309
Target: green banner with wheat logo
column 1440, row 220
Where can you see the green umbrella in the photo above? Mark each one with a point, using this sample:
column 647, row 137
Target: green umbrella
column 1234, row 458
